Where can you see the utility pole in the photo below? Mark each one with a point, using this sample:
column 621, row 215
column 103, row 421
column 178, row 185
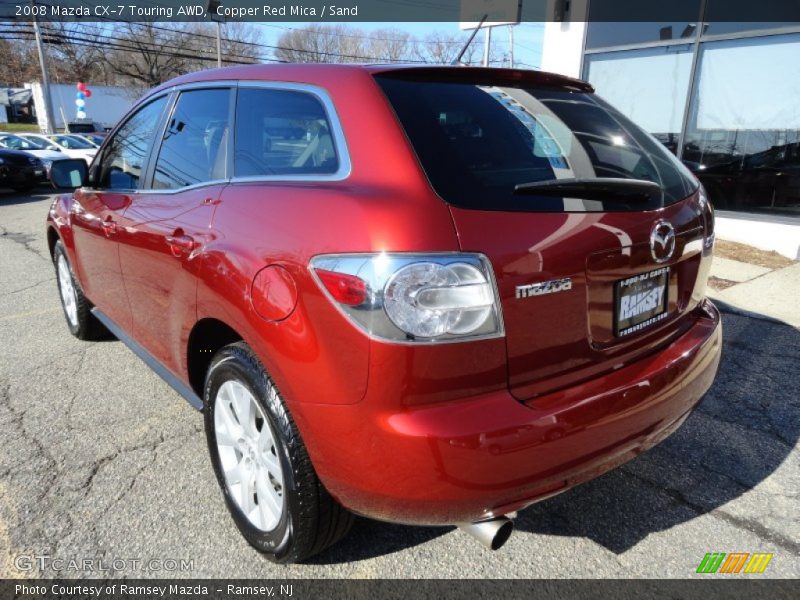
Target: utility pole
column 487, row 42
column 48, row 108
column 219, row 44
column 511, row 45
column 212, row 11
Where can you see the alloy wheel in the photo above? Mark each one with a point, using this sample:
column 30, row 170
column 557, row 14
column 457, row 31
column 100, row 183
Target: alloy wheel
column 69, row 296
column 248, row 455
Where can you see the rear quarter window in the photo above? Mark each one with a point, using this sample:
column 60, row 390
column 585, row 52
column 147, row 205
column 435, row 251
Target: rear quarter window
column 282, row 133
column 477, row 142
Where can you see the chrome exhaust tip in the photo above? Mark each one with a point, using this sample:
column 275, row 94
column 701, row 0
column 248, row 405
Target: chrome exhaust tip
column 492, row 533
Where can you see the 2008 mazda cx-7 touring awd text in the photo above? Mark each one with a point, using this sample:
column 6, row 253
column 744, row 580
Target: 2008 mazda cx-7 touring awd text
column 427, row 295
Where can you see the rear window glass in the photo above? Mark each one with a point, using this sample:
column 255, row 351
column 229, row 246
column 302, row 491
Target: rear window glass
column 477, row 142
column 282, row 132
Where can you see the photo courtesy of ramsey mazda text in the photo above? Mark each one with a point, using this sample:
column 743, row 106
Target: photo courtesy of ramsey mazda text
column 425, row 295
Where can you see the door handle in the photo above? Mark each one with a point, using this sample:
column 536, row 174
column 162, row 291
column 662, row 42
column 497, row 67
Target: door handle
column 109, row 226
column 179, row 244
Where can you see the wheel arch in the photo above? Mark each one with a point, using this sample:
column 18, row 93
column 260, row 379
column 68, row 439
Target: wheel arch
column 207, row 337
column 52, row 238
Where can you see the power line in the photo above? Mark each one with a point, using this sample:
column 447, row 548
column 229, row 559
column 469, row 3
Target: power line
column 272, row 47
column 361, row 36
column 120, row 45
column 134, row 44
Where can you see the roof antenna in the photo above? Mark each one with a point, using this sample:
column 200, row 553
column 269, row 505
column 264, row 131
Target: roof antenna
column 457, row 59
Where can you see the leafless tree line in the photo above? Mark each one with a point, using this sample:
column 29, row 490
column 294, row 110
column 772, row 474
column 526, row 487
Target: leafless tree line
column 342, row 43
column 142, row 55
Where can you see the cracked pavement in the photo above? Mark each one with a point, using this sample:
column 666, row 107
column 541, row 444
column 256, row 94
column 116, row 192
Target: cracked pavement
column 101, row 459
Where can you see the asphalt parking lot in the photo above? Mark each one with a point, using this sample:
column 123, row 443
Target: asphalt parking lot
column 99, row 459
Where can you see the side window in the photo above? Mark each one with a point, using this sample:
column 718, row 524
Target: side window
column 282, row 132
column 195, row 142
column 125, row 154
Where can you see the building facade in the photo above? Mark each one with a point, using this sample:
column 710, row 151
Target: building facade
column 723, row 96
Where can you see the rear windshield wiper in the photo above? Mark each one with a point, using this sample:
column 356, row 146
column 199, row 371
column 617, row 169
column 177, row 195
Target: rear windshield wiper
column 601, row 188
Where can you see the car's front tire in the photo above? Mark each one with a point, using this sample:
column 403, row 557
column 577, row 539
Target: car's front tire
column 262, row 466
column 77, row 308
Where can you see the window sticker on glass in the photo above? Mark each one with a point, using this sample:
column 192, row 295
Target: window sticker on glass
column 544, row 143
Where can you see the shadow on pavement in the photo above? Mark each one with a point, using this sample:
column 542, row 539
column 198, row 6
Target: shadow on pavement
column 742, row 431
column 9, row 197
column 744, row 428
column 370, row 539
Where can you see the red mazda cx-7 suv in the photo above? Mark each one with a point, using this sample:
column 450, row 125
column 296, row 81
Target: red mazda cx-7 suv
column 427, row 295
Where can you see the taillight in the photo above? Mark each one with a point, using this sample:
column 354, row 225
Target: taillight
column 414, row 297
column 344, row 288
column 707, row 216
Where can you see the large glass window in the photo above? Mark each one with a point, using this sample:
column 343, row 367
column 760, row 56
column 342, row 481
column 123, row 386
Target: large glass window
column 743, row 137
column 194, row 148
column 643, row 22
column 282, row 132
column 605, row 35
column 122, row 162
column 649, row 86
column 730, row 16
column 479, row 142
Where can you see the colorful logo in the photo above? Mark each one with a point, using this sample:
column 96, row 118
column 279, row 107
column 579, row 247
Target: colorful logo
column 735, row 562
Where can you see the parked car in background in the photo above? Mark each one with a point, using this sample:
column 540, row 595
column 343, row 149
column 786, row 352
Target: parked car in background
column 84, row 126
column 95, row 138
column 77, row 138
column 71, row 146
column 42, row 150
column 428, row 295
column 20, row 170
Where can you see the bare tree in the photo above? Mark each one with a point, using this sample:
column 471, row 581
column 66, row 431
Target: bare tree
column 391, row 45
column 75, row 53
column 241, row 42
column 442, row 47
column 343, row 44
column 150, row 54
column 313, row 44
column 20, row 63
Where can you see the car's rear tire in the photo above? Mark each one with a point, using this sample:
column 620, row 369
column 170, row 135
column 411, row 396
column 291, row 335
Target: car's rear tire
column 77, row 308
column 282, row 510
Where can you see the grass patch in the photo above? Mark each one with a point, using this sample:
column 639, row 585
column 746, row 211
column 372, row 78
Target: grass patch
column 719, row 284
column 19, row 127
column 748, row 254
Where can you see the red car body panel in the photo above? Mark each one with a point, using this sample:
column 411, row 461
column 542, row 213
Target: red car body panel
column 410, row 433
column 489, row 454
column 594, row 250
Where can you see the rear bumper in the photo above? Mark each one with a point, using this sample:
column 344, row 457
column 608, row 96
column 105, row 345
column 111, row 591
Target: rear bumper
column 467, row 459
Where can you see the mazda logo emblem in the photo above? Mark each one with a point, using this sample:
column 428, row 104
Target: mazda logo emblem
column 662, row 241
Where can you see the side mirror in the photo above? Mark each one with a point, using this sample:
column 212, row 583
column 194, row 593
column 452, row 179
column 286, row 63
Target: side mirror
column 68, row 174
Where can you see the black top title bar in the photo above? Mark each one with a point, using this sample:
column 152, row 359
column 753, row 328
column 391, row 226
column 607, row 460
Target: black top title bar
column 506, row 11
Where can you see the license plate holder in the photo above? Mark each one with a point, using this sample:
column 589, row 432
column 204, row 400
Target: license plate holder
column 640, row 301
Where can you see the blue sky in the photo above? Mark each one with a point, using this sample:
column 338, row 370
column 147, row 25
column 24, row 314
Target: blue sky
column 527, row 36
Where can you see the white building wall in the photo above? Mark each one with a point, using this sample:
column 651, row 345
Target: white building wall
column 562, row 47
column 562, row 52
column 766, row 234
column 106, row 106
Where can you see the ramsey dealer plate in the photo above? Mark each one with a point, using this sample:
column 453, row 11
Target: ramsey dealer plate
column 640, row 301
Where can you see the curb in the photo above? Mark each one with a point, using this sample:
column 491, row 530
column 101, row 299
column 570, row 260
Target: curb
column 743, row 312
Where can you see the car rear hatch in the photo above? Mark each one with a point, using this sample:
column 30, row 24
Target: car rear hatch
column 591, row 276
